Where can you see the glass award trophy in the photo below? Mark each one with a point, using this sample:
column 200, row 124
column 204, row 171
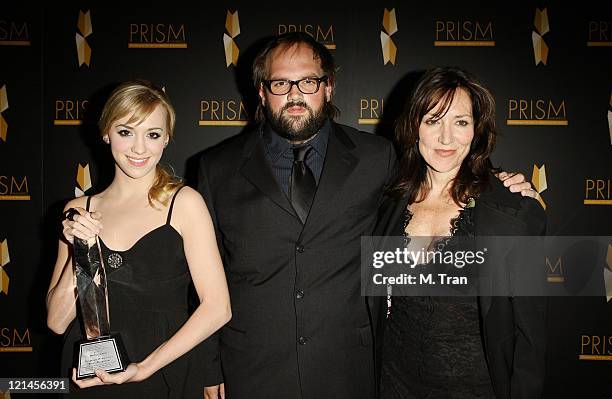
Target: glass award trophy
column 100, row 349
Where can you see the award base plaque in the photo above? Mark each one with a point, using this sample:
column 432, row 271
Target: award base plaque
column 104, row 352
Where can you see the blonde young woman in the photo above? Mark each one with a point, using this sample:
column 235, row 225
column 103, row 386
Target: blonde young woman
column 156, row 236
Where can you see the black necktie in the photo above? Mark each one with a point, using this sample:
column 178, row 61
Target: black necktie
column 302, row 186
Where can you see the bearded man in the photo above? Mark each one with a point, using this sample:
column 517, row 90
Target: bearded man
column 290, row 201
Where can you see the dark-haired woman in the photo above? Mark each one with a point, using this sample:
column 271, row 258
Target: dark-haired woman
column 157, row 236
column 475, row 346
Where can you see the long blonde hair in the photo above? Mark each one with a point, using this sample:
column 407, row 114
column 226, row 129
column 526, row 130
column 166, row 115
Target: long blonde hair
column 140, row 98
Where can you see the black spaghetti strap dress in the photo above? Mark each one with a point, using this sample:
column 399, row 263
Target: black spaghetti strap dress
column 148, row 302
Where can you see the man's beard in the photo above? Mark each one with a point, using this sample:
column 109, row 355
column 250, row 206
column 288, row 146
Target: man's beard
column 297, row 128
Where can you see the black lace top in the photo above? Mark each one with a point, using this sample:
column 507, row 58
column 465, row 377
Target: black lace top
column 432, row 346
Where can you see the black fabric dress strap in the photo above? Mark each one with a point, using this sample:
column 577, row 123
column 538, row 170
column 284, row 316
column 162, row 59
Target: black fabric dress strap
column 172, row 206
column 88, row 202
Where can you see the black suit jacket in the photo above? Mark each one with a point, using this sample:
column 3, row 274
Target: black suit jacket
column 513, row 328
column 300, row 327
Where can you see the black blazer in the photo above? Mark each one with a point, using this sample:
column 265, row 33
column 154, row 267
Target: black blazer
column 513, row 328
column 300, row 326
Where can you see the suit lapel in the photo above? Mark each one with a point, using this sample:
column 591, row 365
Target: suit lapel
column 339, row 164
column 256, row 169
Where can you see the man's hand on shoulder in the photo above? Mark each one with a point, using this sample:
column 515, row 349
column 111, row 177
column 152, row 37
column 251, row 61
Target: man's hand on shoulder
column 516, row 183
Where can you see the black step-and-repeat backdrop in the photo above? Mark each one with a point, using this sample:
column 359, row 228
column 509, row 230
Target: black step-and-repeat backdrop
column 548, row 65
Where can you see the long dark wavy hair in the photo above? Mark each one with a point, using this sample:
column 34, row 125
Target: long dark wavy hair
column 438, row 86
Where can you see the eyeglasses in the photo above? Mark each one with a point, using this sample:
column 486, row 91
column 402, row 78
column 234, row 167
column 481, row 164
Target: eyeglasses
column 280, row 87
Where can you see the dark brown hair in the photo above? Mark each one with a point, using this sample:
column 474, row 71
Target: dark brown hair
column 438, row 86
column 140, row 98
column 288, row 41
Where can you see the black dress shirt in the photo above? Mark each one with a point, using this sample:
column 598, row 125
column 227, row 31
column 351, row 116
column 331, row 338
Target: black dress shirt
column 280, row 154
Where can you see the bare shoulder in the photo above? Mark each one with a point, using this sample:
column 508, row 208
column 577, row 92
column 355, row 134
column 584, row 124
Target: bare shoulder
column 189, row 212
column 187, row 196
column 189, row 204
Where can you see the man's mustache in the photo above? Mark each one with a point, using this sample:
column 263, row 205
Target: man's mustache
column 296, row 104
